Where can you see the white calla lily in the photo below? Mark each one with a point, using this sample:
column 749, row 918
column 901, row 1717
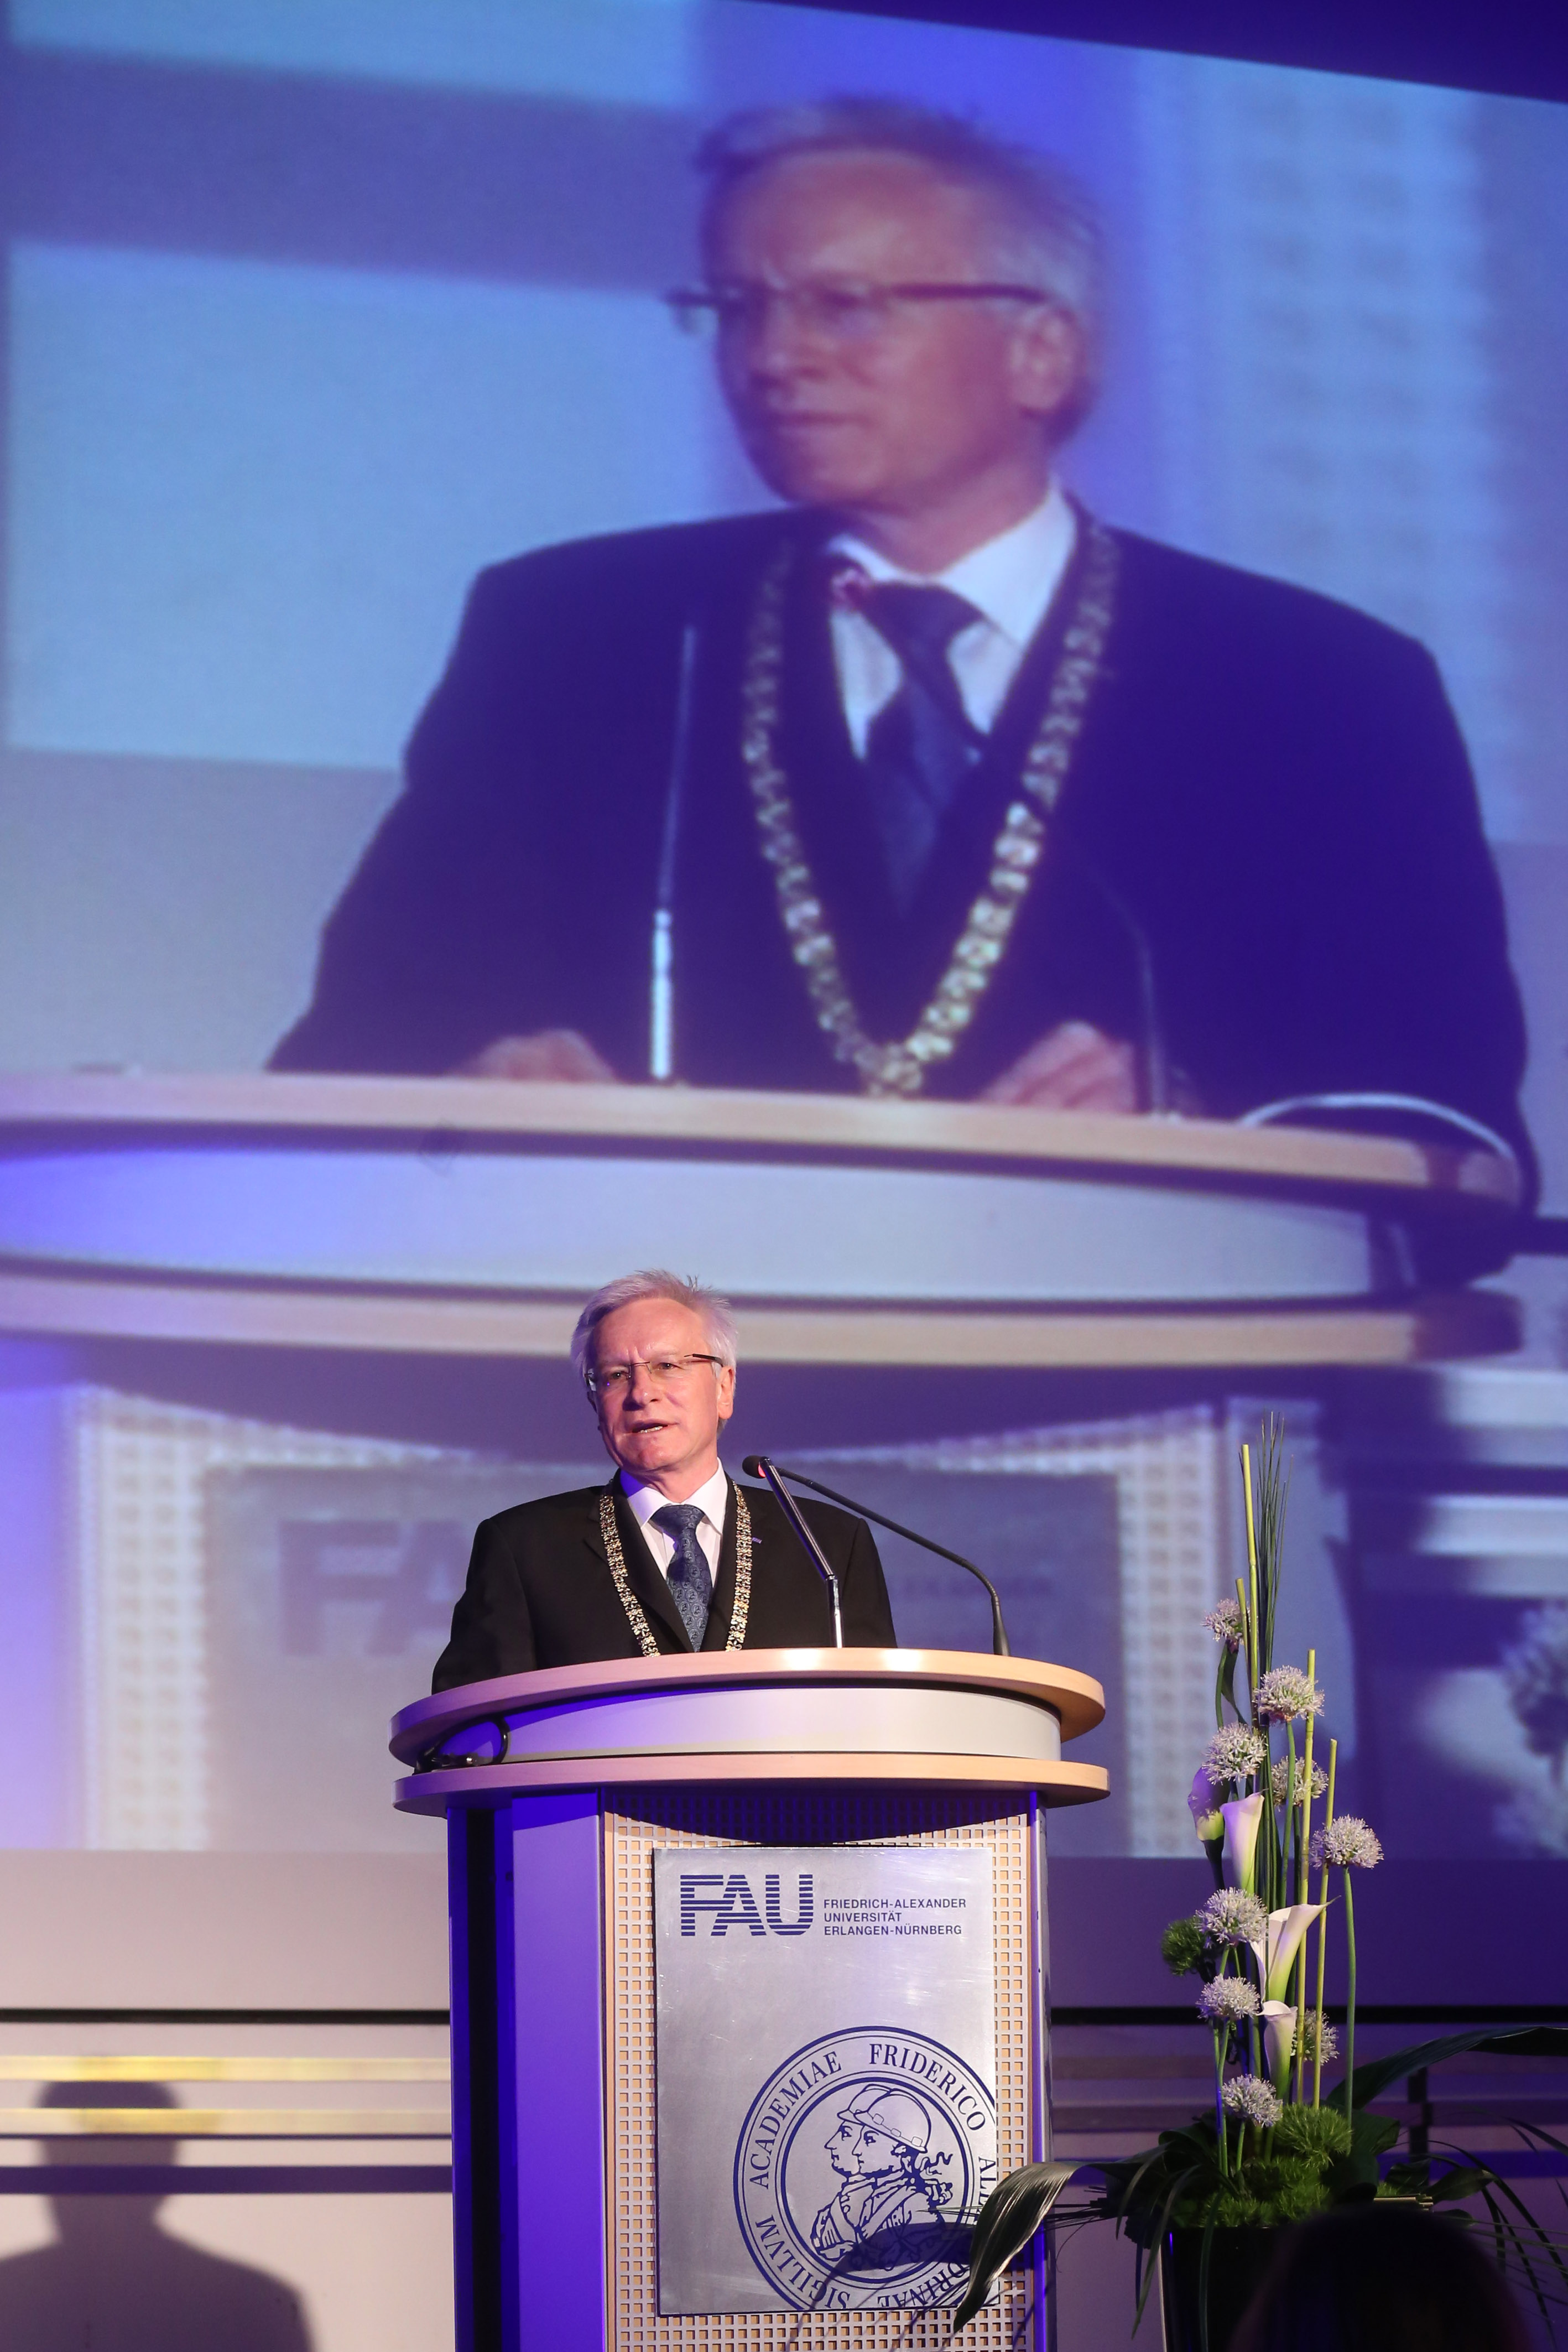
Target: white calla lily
column 1242, row 1817
column 1278, row 2041
column 1276, row 1956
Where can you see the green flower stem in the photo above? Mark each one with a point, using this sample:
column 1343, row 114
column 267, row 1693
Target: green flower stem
column 1292, row 1847
column 1350, row 2004
column 1260, row 1631
column 1304, row 1890
column 1251, row 1530
column 1323, row 1937
column 1221, row 2035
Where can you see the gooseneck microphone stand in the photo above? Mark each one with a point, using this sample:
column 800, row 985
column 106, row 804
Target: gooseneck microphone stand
column 760, row 1466
column 757, row 1465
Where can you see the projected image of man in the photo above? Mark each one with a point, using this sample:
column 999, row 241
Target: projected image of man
column 936, row 782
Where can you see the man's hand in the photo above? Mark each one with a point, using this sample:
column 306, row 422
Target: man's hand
column 549, row 1055
column 1076, row 1067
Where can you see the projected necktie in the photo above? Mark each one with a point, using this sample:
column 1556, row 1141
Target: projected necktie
column 690, row 1582
column 921, row 743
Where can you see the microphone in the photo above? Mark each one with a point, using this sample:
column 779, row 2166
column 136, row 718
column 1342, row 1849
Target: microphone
column 1154, row 1069
column 662, row 976
column 758, row 1465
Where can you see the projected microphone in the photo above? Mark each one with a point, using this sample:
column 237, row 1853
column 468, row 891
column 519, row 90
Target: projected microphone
column 662, row 978
column 758, row 1465
column 1154, row 1068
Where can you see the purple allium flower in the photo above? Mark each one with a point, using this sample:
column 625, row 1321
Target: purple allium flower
column 1235, row 1753
column 1279, row 1780
column 1346, row 1843
column 1226, row 2001
column 1232, row 1917
column 1310, row 2039
column 1253, row 2099
column 1225, row 1623
column 1285, row 1693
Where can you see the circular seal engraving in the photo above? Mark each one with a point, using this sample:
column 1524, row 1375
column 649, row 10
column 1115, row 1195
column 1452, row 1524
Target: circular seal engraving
column 860, row 2170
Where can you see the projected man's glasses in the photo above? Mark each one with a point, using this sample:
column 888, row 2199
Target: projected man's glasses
column 845, row 314
column 660, row 1371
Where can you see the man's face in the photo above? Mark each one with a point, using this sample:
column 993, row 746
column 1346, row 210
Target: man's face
column 655, row 1426
column 900, row 421
column 873, row 2152
column 859, row 2149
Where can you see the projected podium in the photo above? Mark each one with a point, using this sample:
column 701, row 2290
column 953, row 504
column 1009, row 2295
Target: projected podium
column 425, row 1218
column 748, row 1988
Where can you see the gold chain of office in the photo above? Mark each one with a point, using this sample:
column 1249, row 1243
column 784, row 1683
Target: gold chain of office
column 899, row 1067
column 636, row 1615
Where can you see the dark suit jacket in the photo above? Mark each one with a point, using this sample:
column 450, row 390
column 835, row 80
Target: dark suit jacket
column 539, row 1592
column 1269, row 787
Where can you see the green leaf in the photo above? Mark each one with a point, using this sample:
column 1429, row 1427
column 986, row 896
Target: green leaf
column 1523, row 2042
column 1408, row 2179
column 1371, row 2137
column 1491, row 2189
column 1205, row 2252
column 1178, row 2185
column 1007, row 2221
column 1536, row 2135
column 1129, row 2178
column 1459, row 2181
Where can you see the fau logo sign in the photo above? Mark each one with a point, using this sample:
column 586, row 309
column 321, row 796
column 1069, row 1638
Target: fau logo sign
column 732, row 1904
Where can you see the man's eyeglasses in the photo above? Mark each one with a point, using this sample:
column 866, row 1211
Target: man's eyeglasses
column 663, row 1371
column 845, row 314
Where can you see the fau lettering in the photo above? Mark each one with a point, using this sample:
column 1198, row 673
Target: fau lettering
column 735, row 1906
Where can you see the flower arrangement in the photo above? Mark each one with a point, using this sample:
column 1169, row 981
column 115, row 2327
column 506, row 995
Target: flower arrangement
column 1276, row 2145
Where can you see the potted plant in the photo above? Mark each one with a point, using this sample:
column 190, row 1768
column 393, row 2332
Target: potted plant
column 1203, row 2205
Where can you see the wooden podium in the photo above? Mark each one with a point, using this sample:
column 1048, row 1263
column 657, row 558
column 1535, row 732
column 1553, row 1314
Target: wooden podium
column 560, row 1788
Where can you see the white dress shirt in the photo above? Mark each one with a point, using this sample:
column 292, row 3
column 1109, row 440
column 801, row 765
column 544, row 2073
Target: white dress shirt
column 712, row 1499
column 1010, row 582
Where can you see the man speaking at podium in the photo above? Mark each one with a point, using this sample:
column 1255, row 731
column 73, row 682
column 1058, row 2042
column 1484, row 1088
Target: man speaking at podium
column 929, row 781
column 672, row 1555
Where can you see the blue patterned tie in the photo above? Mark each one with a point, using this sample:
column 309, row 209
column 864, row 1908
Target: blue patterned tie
column 921, row 744
column 689, row 1579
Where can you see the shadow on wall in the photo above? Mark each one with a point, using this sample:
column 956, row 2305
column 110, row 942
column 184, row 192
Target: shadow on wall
column 115, row 2281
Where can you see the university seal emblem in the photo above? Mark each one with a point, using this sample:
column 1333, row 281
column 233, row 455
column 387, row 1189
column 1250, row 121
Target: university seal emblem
column 859, row 2170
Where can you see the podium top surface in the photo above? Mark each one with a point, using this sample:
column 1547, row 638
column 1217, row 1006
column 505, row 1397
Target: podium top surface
column 430, row 1112
column 1076, row 1698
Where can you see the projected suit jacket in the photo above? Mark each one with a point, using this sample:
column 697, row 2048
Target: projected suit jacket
column 539, row 1591
column 1269, row 799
